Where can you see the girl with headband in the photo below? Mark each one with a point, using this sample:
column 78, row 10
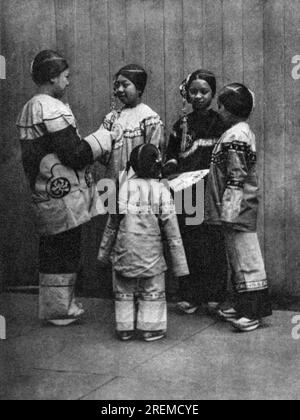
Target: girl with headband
column 57, row 161
column 232, row 199
column 135, row 123
column 190, row 147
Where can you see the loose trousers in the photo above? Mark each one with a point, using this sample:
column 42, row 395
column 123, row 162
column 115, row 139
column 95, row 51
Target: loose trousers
column 248, row 274
column 59, row 262
column 140, row 303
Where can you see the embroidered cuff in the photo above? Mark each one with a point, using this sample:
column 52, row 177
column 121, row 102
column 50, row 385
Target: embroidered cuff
column 100, row 143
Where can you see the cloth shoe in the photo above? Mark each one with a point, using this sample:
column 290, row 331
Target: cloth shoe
column 125, row 335
column 153, row 336
column 75, row 312
column 246, row 324
column 227, row 314
column 187, row 307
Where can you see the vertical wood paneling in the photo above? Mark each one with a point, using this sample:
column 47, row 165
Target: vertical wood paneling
column 213, row 38
column 2, row 160
column 253, row 57
column 232, row 41
column 193, row 35
column 82, row 103
column 154, row 59
column 173, row 22
column 292, row 148
column 66, row 41
column 2, row 82
column 135, row 32
column 101, row 89
column 117, row 35
column 20, row 44
column 20, row 47
column 275, row 243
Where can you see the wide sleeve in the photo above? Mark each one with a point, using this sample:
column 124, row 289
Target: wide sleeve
column 154, row 132
column 171, row 234
column 71, row 149
column 237, row 173
column 108, row 240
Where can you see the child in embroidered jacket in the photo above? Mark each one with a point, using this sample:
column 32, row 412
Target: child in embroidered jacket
column 232, row 201
column 147, row 215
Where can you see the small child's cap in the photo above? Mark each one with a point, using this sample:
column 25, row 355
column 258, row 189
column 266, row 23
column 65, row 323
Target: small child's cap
column 237, row 99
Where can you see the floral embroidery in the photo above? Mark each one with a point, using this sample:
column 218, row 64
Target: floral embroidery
column 59, row 187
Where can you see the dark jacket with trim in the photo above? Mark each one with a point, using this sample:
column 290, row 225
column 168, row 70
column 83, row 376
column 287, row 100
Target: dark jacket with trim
column 57, row 163
column 232, row 193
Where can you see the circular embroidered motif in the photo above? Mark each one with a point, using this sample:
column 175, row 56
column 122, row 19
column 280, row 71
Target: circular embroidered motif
column 88, row 178
column 59, row 187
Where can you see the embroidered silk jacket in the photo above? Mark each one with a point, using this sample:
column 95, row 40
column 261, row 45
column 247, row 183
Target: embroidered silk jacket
column 57, row 163
column 232, row 193
column 202, row 136
column 148, row 217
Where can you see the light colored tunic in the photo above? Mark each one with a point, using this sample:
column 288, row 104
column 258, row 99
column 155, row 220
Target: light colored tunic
column 132, row 127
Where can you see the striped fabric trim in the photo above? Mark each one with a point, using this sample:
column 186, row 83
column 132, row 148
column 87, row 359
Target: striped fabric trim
column 197, row 144
column 235, row 184
column 59, row 123
column 133, row 134
column 252, row 286
column 239, row 147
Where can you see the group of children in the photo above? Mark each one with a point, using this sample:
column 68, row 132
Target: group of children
column 131, row 142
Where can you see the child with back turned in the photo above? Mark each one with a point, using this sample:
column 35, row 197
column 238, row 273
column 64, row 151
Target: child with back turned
column 232, row 201
column 146, row 216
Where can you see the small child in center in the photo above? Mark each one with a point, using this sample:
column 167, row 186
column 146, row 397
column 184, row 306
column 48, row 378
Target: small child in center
column 147, row 215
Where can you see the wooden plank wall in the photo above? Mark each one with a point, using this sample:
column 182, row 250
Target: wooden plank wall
column 251, row 41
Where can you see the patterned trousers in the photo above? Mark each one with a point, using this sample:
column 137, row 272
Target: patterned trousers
column 248, row 274
column 246, row 261
column 140, row 303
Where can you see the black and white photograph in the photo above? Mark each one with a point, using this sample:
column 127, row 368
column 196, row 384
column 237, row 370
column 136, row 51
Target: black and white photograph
column 149, row 202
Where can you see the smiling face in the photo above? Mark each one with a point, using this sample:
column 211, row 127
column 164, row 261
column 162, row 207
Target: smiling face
column 127, row 92
column 60, row 84
column 200, row 95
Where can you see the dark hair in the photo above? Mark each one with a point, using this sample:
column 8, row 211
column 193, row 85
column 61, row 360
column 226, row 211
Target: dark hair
column 206, row 75
column 136, row 74
column 47, row 65
column 145, row 161
column 237, row 99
